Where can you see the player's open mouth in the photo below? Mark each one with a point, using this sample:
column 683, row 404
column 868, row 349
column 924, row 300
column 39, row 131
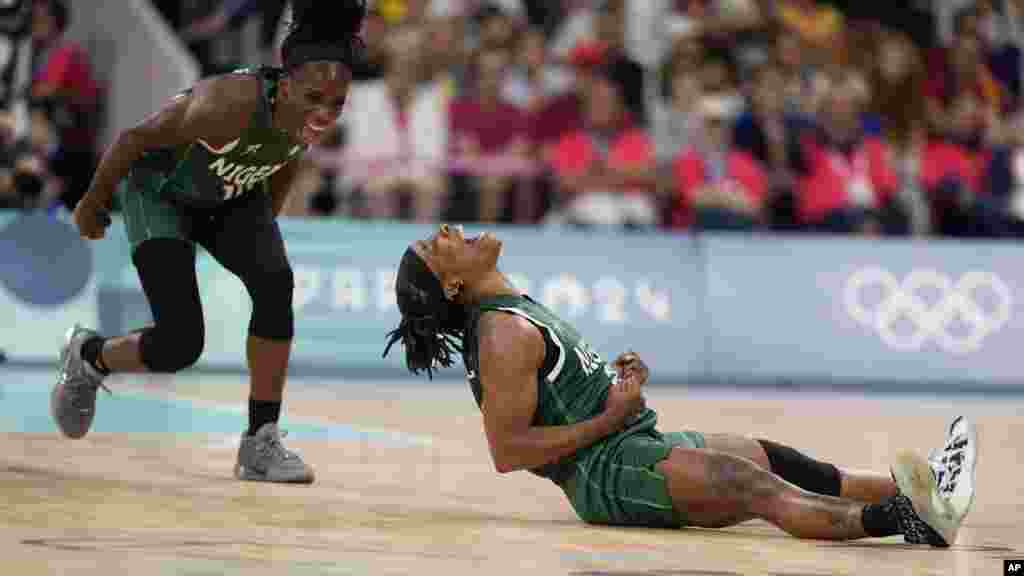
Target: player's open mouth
column 312, row 133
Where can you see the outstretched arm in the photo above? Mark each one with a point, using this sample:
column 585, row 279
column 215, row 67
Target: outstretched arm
column 511, row 353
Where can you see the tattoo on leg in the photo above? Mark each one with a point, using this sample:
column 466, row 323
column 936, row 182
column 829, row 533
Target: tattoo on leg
column 733, row 478
column 805, row 514
column 843, row 519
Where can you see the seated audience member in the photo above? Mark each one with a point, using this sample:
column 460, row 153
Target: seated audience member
column 846, row 180
column 610, row 29
column 397, row 137
column 798, row 74
column 564, row 113
column 606, row 170
column 957, row 70
column 488, row 137
column 557, row 116
column 63, row 78
column 954, row 166
column 1001, row 212
column 769, row 133
column 531, row 81
column 676, row 123
column 497, row 27
column 718, row 77
column 731, row 27
column 898, row 80
column 719, row 187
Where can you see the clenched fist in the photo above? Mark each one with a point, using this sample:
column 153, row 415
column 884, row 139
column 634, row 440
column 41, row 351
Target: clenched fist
column 91, row 218
column 629, row 365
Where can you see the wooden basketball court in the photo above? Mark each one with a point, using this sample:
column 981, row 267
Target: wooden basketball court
column 410, row 489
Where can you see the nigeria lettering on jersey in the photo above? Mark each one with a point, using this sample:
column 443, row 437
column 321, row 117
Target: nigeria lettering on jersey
column 240, row 177
column 589, row 359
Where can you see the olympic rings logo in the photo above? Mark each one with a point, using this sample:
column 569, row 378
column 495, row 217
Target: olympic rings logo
column 901, row 301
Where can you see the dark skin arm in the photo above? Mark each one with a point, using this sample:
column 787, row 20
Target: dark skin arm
column 216, row 111
column 511, row 353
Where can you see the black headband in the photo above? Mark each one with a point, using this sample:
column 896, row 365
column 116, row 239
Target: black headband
column 330, row 52
column 419, row 290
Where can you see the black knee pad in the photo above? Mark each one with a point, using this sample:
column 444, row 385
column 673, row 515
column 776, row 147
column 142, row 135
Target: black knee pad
column 272, row 314
column 171, row 348
column 796, row 468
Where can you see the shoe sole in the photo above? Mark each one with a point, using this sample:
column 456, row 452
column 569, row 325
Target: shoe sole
column 246, row 475
column 970, row 463
column 915, row 480
column 68, row 426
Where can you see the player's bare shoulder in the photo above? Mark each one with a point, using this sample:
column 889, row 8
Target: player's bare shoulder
column 223, row 104
column 503, row 334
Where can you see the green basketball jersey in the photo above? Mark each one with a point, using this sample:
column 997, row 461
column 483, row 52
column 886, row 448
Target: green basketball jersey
column 572, row 384
column 205, row 175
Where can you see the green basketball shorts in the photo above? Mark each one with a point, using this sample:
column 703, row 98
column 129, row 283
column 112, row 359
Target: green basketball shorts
column 146, row 214
column 616, row 482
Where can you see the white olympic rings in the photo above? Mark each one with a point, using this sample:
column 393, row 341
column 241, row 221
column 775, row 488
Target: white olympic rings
column 930, row 322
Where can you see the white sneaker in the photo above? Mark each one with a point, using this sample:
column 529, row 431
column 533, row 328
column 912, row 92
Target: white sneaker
column 925, row 516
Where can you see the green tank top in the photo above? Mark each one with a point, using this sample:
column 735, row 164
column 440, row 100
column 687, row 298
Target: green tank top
column 572, row 383
column 206, row 176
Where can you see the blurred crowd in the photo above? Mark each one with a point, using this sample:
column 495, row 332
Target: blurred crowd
column 832, row 116
column 688, row 114
column 49, row 118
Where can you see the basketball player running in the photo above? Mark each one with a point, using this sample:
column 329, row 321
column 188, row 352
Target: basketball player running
column 552, row 406
column 213, row 168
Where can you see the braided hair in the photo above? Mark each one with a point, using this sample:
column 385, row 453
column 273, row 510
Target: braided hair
column 432, row 328
column 323, row 30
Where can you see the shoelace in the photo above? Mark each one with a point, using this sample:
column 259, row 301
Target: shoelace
column 951, row 456
column 79, row 385
column 274, row 446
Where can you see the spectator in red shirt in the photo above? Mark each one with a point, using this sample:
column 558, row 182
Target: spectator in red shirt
column 847, row 180
column 606, row 170
column 557, row 116
column 564, row 114
column 953, row 168
column 489, row 139
column 63, row 80
column 718, row 186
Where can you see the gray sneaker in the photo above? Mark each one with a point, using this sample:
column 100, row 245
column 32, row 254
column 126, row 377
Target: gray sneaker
column 262, row 458
column 73, row 399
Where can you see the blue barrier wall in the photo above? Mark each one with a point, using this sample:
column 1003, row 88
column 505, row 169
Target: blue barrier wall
column 744, row 309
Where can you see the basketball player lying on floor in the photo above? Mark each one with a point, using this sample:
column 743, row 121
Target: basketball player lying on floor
column 552, row 406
